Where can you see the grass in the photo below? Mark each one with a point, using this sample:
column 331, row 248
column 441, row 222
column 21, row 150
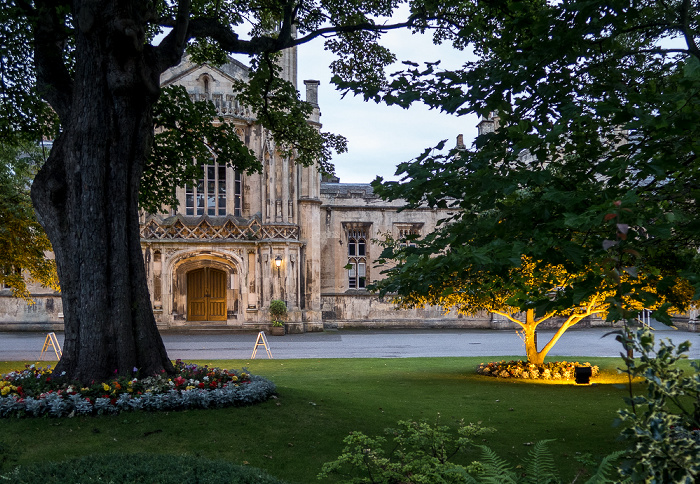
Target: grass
column 322, row 400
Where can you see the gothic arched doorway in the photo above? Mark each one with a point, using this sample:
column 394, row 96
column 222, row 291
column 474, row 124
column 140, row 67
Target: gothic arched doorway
column 206, row 295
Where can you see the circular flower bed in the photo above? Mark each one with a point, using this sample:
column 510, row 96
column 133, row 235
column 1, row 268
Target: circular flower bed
column 557, row 370
column 34, row 392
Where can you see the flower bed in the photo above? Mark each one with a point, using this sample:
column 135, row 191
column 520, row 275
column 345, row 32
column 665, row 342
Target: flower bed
column 557, row 370
column 35, row 392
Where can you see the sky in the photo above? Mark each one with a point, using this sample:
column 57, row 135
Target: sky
column 379, row 136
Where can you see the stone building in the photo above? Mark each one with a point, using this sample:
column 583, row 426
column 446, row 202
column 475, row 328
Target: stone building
column 238, row 241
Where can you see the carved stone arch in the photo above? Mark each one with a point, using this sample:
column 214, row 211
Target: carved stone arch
column 206, row 75
column 218, row 273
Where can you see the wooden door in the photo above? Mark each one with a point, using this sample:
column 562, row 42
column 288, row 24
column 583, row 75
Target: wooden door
column 216, row 303
column 206, row 295
column 196, row 300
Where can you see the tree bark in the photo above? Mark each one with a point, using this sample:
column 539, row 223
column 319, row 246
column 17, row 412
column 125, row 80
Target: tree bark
column 529, row 329
column 86, row 196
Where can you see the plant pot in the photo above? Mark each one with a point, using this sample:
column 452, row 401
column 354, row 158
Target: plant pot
column 277, row 331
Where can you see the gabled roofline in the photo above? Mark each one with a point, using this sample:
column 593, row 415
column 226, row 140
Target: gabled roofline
column 194, row 67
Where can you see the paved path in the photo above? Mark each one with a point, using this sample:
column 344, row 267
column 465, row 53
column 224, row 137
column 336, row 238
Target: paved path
column 362, row 344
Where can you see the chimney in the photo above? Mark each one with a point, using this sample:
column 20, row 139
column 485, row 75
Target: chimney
column 312, row 92
column 460, row 142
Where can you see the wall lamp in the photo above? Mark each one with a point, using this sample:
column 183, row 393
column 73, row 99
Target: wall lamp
column 278, row 263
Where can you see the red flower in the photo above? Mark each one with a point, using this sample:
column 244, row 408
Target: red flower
column 201, row 385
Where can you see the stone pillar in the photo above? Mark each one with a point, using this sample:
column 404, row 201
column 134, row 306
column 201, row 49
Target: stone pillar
column 310, row 226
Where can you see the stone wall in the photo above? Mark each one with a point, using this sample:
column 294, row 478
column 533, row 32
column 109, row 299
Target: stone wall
column 46, row 314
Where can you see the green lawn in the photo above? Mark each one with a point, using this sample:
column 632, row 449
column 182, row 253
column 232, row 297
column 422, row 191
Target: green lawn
column 322, row 400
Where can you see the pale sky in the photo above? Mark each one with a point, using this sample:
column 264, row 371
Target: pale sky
column 381, row 137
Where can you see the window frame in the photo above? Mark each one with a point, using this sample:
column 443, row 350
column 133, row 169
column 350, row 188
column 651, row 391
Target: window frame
column 358, row 257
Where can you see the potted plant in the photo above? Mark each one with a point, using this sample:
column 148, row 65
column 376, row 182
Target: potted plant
column 278, row 312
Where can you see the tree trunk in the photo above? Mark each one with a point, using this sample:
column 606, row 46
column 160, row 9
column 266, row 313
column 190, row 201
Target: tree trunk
column 87, row 198
column 529, row 329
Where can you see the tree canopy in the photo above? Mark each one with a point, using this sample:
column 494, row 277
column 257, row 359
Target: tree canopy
column 23, row 243
column 587, row 157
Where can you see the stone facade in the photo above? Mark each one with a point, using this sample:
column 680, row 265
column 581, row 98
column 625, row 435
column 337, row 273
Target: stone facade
column 215, row 260
column 238, row 241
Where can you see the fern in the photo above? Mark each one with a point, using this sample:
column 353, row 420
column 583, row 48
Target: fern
column 496, row 470
column 606, row 465
column 540, row 468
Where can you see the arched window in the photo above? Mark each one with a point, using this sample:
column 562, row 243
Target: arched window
column 357, row 258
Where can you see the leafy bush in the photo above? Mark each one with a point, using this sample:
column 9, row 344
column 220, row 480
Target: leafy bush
column 557, row 370
column 278, row 310
column 663, row 427
column 137, row 469
column 421, row 454
column 35, row 392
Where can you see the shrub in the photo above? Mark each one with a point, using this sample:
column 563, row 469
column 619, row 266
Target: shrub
column 421, row 454
column 278, row 310
column 663, row 427
column 137, row 469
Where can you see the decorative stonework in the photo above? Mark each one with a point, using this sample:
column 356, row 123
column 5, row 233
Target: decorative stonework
column 226, row 107
column 206, row 229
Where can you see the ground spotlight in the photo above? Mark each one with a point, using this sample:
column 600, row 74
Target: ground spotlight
column 583, row 374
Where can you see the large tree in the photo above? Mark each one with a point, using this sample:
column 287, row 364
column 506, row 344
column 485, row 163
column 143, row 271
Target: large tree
column 94, row 63
column 587, row 157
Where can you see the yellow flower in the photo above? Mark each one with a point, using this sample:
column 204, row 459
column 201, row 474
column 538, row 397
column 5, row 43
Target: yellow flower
column 5, row 390
column 189, row 387
column 105, row 386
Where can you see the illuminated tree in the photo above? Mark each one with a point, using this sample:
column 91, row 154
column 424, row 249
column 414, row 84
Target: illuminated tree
column 512, row 296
